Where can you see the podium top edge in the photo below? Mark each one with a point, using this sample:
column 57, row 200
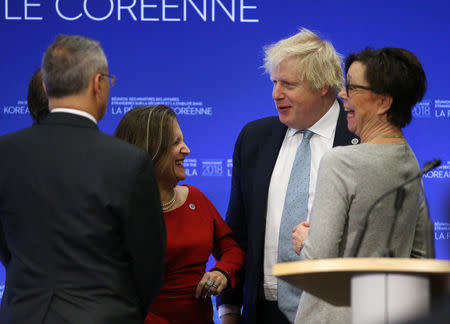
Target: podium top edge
column 358, row 265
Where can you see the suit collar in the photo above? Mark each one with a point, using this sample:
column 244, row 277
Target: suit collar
column 271, row 143
column 343, row 135
column 68, row 119
column 75, row 112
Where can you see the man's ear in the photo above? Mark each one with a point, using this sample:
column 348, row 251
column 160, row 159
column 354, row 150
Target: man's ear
column 324, row 91
column 96, row 83
column 385, row 102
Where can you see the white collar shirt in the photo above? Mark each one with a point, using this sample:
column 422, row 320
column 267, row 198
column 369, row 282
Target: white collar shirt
column 322, row 141
column 75, row 112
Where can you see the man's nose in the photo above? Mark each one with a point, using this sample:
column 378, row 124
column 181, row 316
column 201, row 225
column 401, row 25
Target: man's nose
column 277, row 92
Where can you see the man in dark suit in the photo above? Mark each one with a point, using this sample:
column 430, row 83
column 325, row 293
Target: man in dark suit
column 306, row 74
column 82, row 235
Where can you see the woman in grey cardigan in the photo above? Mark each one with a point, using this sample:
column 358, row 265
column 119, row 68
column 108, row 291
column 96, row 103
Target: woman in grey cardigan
column 382, row 86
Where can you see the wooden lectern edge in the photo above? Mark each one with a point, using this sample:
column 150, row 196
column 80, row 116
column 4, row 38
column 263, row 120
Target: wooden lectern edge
column 399, row 265
column 330, row 279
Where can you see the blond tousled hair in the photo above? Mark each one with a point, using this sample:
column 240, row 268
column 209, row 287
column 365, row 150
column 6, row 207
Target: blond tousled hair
column 316, row 60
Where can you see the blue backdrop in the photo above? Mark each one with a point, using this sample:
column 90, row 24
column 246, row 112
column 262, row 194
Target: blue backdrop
column 204, row 57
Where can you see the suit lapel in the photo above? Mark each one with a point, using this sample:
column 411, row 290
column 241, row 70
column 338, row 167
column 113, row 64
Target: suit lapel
column 343, row 135
column 269, row 148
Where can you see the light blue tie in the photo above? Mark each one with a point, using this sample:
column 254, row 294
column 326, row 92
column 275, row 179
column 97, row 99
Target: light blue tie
column 295, row 211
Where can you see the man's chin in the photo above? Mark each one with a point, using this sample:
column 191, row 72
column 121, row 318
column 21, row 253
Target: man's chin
column 286, row 121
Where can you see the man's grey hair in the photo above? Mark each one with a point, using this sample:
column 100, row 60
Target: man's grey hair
column 69, row 64
column 317, row 61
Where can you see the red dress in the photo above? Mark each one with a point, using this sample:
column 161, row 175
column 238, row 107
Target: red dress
column 194, row 231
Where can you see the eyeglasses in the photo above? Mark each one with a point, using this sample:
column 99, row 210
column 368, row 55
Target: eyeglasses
column 350, row 87
column 111, row 78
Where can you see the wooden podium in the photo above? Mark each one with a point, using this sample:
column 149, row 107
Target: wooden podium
column 379, row 290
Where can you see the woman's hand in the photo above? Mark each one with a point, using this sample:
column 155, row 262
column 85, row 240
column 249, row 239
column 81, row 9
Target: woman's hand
column 299, row 235
column 212, row 284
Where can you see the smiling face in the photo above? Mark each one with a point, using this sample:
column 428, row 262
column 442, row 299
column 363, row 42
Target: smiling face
column 360, row 103
column 297, row 104
column 172, row 169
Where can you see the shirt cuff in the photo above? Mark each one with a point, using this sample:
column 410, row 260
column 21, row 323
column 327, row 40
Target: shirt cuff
column 225, row 309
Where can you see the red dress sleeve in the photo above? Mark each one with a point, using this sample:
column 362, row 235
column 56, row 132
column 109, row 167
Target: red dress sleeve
column 229, row 256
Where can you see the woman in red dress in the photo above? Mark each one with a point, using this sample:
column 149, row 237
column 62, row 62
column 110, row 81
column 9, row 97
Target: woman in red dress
column 195, row 229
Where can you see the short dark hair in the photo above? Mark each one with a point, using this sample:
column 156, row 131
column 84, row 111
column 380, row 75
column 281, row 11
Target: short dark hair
column 396, row 72
column 37, row 98
column 150, row 128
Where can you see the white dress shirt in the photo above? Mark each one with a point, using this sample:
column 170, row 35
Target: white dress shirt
column 321, row 141
column 75, row 112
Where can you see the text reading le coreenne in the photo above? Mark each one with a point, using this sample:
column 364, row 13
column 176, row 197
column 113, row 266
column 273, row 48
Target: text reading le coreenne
column 236, row 11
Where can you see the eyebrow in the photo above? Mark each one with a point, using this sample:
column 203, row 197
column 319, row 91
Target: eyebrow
column 287, row 81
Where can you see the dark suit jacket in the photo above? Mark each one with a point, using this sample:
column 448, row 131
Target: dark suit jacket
column 254, row 158
column 82, row 235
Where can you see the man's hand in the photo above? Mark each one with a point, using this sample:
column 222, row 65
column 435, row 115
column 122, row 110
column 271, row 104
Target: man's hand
column 299, row 235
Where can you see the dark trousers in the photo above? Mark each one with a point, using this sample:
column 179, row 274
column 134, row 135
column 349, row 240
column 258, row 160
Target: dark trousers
column 269, row 313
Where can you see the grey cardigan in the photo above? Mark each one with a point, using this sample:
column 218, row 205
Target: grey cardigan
column 350, row 180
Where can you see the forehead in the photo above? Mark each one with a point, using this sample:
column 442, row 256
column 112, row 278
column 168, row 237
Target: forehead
column 356, row 71
column 176, row 128
column 286, row 70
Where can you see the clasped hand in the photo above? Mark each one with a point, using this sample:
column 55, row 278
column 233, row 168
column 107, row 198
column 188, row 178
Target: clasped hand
column 211, row 284
column 299, row 235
